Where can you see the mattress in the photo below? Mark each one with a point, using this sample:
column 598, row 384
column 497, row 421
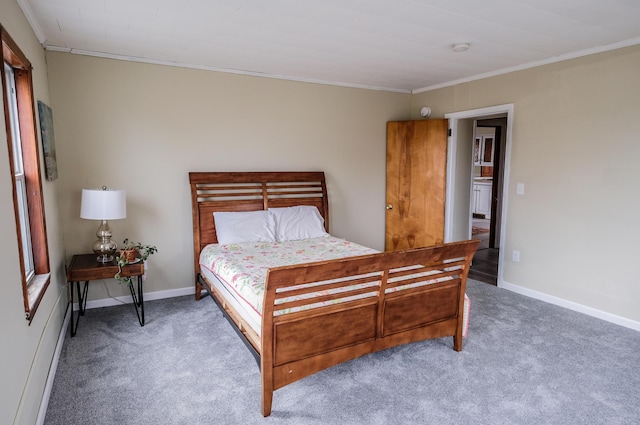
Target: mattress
column 239, row 270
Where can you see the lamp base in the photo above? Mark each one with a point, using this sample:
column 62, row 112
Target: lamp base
column 103, row 258
column 104, row 247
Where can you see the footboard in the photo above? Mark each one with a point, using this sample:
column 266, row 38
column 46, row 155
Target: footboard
column 321, row 314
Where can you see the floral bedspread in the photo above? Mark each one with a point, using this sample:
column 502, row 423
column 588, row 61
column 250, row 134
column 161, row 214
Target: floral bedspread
column 243, row 267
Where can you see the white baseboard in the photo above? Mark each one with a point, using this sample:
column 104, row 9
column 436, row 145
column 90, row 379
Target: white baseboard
column 618, row 320
column 44, row 403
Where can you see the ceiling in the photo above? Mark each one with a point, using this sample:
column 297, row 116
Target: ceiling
column 397, row 45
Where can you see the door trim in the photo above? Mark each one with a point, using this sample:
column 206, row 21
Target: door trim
column 451, row 167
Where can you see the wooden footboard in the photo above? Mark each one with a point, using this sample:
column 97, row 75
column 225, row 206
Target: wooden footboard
column 321, row 314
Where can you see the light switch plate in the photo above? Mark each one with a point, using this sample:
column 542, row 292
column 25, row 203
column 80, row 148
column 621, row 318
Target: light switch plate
column 520, row 189
column 515, row 256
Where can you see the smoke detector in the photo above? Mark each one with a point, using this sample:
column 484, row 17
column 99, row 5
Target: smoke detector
column 460, row 47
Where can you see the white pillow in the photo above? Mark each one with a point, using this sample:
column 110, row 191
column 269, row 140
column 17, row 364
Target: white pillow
column 300, row 222
column 245, row 226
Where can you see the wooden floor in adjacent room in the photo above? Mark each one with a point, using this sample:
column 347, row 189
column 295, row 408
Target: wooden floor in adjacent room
column 485, row 263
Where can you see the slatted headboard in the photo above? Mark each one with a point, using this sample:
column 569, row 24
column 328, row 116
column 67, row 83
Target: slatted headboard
column 250, row 191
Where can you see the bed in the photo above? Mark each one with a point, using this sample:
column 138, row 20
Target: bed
column 323, row 312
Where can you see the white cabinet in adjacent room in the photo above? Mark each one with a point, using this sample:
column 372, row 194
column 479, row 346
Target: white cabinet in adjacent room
column 482, row 199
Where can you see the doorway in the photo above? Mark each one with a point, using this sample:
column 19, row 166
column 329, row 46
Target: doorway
column 464, row 169
column 489, row 137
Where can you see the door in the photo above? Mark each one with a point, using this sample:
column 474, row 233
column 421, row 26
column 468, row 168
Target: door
column 416, row 183
column 495, row 172
column 485, row 213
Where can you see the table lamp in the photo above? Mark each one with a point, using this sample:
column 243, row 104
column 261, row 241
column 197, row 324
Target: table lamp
column 103, row 204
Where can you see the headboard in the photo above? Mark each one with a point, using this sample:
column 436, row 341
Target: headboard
column 250, row 191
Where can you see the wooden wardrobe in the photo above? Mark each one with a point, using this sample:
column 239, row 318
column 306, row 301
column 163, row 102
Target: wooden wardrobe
column 416, row 183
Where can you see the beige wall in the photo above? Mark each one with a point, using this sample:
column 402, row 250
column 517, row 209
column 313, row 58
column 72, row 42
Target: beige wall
column 575, row 147
column 462, row 175
column 143, row 127
column 27, row 351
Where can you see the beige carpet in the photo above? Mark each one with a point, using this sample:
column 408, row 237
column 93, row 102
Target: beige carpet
column 524, row 362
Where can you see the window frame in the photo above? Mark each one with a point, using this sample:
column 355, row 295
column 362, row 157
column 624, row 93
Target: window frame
column 33, row 287
column 19, row 176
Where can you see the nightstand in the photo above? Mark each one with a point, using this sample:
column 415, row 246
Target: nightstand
column 86, row 268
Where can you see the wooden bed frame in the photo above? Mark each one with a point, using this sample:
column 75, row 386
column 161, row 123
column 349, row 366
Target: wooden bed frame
column 295, row 345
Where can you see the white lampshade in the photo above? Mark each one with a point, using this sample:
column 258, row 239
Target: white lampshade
column 103, row 204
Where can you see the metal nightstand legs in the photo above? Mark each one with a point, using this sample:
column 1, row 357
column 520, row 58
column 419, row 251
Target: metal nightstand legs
column 138, row 302
column 82, row 303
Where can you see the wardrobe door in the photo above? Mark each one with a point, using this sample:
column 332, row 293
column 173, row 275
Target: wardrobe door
column 416, row 183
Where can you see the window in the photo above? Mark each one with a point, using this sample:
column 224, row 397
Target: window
column 24, row 161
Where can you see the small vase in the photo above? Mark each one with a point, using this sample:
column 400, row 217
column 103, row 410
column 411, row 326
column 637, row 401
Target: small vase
column 129, row 254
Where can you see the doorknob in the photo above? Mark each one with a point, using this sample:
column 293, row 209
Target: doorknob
column 389, row 206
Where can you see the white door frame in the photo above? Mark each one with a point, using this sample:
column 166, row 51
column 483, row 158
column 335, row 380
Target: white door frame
column 451, row 167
